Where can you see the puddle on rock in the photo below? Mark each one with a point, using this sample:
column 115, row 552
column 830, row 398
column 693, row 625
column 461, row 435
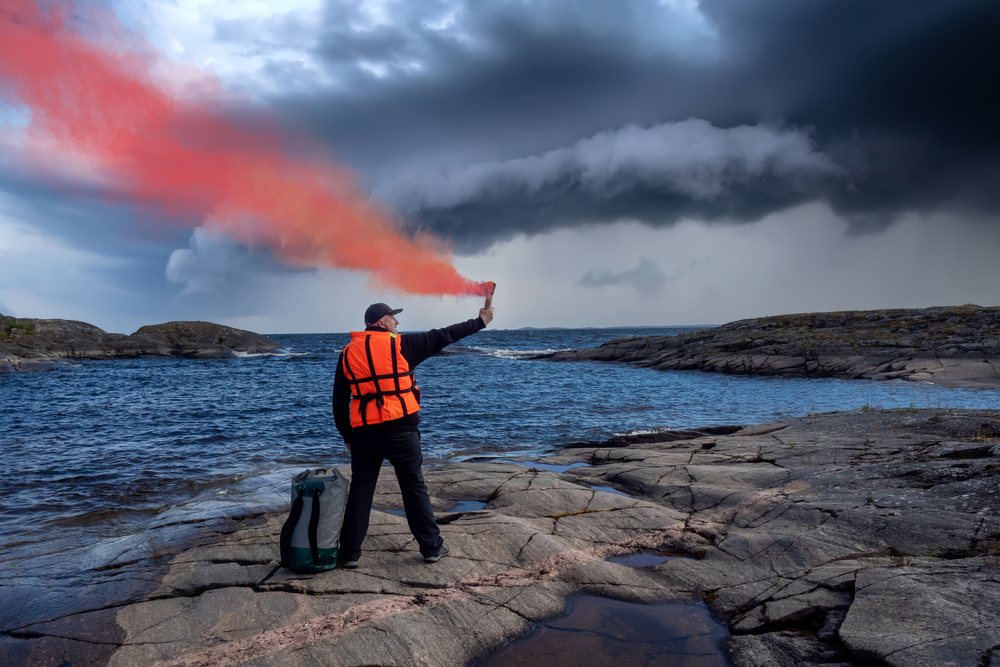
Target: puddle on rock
column 647, row 558
column 610, row 489
column 467, row 506
column 460, row 506
column 547, row 466
column 597, row 632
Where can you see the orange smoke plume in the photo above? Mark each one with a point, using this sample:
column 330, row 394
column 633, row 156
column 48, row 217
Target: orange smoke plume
column 102, row 105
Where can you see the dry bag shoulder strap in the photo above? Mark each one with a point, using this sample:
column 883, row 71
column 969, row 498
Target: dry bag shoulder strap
column 314, row 526
column 314, row 529
column 289, row 528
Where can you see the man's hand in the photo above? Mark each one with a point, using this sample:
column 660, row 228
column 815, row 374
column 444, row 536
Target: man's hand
column 348, row 445
column 486, row 312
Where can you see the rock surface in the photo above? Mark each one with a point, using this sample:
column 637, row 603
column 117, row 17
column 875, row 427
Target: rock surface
column 950, row 346
column 33, row 344
column 835, row 539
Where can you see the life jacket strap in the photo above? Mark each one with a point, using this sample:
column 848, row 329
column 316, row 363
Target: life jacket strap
column 356, row 386
column 395, row 375
column 379, row 400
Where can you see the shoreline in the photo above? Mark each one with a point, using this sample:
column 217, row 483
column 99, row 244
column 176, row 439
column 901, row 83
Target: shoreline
column 28, row 344
column 949, row 346
column 832, row 523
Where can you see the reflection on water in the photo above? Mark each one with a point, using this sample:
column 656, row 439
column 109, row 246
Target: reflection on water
column 468, row 506
column 610, row 489
column 597, row 632
column 460, row 506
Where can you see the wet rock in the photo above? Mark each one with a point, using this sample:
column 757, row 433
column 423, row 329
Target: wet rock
column 658, row 437
column 88, row 639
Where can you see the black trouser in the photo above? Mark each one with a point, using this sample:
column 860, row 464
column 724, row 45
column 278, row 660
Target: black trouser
column 402, row 448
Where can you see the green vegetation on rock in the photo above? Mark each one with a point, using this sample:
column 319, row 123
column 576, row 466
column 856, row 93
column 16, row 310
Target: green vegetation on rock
column 10, row 325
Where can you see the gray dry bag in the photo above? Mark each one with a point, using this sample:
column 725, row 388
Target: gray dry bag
column 310, row 536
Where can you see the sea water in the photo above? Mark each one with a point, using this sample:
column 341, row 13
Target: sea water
column 98, row 451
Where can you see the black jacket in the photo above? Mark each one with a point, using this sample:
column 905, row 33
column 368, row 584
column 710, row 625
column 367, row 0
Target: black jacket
column 416, row 348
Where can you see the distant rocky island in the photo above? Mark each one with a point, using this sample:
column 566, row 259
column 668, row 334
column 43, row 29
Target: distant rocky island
column 946, row 345
column 36, row 344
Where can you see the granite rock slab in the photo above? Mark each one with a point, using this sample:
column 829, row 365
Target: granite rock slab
column 856, row 538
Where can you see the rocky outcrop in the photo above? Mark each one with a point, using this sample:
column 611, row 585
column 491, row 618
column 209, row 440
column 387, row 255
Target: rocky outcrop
column 35, row 344
column 835, row 539
column 949, row 346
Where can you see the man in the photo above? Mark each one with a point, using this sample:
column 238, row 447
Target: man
column 376, row 371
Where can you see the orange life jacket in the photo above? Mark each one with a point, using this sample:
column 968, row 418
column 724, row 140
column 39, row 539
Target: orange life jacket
column 381, row 380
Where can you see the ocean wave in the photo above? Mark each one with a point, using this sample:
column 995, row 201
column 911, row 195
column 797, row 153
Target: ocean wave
column 642, row 431
column 280, row 353
column 506, row 353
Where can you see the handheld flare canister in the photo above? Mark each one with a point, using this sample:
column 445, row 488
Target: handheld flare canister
column 491, row 287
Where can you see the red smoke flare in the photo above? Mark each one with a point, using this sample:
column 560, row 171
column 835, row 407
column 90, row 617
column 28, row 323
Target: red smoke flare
column 105, row 105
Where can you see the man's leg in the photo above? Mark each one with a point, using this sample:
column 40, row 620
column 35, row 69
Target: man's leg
column 406, row 459
column 365, row 466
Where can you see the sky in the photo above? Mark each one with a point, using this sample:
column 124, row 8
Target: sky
column 628, row 163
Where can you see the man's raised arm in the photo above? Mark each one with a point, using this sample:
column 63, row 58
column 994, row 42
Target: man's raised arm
column 420, row 346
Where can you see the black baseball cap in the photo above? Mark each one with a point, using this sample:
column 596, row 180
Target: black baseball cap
column 377, row 311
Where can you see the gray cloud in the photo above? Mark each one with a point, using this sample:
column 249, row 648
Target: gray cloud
column 647, row 278
column 208, row 264
column 688, row 167
column 215, row 270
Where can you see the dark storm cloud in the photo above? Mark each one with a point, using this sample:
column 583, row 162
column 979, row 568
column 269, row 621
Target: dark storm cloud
column 504, row 80
column 689, row 167
column 899, row 91
column 900, row 95
column 647, row 278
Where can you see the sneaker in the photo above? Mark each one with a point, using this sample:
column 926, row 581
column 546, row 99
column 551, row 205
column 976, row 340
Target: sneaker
column 443, row 551
column 349, row 564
